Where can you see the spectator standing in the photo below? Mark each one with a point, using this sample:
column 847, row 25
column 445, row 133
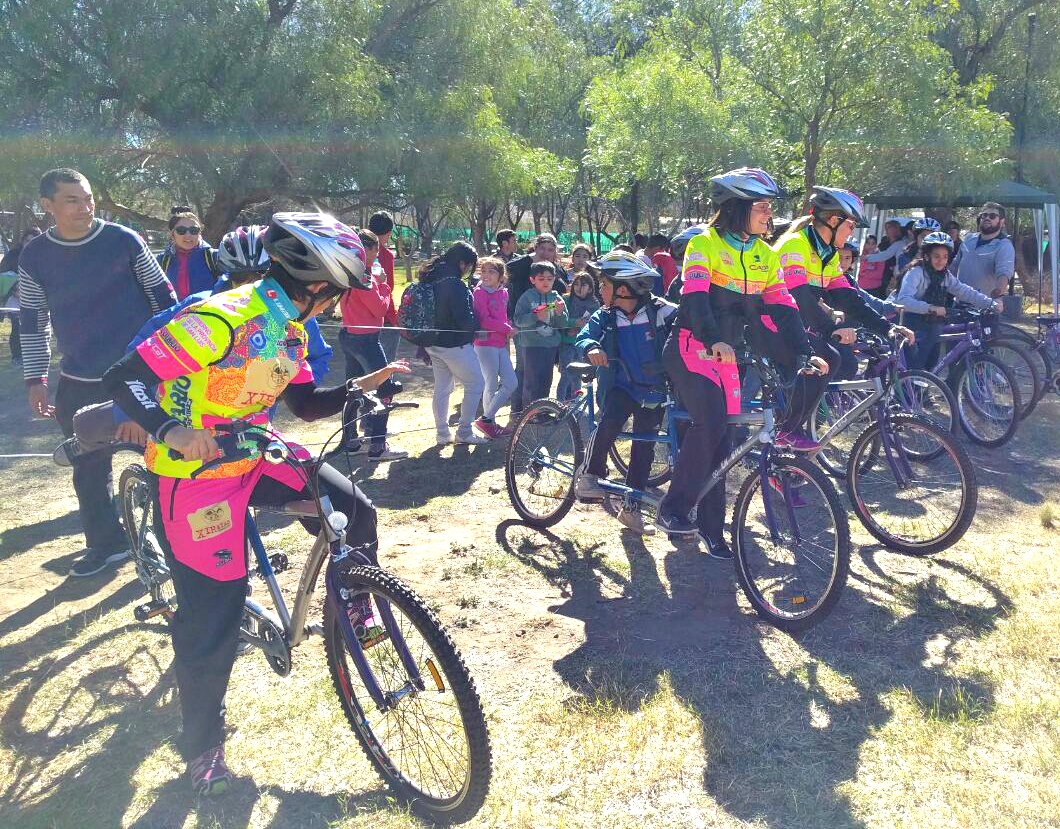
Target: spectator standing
column 452, row 356
column 507, row 245
column 870, row 273
column 953, row 228
column 190, row 264
column 518, row 284
column 363, row 314
column 540, row 316
column 381, row 224
column 581, row 304
column 987, row 259
column 9, row 295
column 888, row 253
column 492, row 344
column 96, row 283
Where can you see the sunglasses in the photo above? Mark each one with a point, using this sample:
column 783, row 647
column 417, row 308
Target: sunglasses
column 181, row 231
column 989, row 215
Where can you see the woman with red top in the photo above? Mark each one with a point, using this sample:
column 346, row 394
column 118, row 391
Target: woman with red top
column 189, row 262
column 363, row 315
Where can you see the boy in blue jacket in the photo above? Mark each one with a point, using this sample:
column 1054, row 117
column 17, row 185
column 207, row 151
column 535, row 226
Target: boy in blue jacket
column 624, row 339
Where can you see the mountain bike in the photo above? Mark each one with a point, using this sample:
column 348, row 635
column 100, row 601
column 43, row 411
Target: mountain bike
column 791, row 539
column 403, row 685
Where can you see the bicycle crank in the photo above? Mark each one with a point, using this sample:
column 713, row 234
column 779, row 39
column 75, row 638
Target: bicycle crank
column 261, row 629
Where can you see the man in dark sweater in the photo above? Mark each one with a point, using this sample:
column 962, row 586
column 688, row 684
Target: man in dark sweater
column 96, row 283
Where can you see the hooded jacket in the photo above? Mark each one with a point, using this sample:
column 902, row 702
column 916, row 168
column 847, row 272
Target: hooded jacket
column 454, row 309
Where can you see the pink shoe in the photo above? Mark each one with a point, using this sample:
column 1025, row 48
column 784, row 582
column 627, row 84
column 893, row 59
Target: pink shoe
column 490, row 429
column 797, row 442
column 795, row 497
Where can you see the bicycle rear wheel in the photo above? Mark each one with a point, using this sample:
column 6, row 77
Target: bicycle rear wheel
column 920, row 498
column 832, row 406
column 429, row 742
column 1023, row 367
column 138, row 517
column 542, row 458
column 988, row 400
column 660, row 463
column 791, row 543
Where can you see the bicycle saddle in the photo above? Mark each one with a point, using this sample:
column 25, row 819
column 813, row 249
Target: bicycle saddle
column 585, row 371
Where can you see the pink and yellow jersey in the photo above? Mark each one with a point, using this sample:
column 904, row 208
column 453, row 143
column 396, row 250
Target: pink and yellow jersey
column 800, row 264
column 710, row 260
column 224, row 359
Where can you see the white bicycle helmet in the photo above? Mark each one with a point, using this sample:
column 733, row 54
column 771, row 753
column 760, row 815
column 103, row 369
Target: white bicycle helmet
column 935, row 238
column 681, row 240
column 243, row 250
column 622, row 267
column 316, row 247
column 749, row 183
column 835, row 200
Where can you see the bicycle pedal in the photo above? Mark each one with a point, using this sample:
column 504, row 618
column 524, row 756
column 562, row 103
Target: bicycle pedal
column 150, row 610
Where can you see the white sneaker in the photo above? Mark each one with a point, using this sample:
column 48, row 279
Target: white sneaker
column 444, row 438
column 471, row 440
column 631, row 519
column 388, row 453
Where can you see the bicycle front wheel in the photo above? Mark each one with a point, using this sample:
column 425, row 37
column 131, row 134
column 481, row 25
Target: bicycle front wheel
column 1024, row 369
column 138, row 518
column 791, row 542
column 919, row 497
column 543, row 456
column 988, row 400
column 428, row 740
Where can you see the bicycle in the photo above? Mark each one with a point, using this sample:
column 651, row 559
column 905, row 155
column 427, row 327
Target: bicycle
column 987, row 394
column 791, row 539
column 416, row 711
column 909, row 482
column 1043, row 347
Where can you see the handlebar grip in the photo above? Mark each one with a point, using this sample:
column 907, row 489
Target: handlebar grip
column 404, row 405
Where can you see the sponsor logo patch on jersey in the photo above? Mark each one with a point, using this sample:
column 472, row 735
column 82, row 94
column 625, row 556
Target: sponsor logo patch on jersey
column 195, row 328
column 210, row 521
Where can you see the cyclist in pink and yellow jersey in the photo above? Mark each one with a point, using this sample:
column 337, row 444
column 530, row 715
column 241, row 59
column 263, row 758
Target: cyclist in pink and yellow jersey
column 226, row 359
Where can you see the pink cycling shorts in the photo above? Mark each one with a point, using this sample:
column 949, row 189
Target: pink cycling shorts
column 697, row 359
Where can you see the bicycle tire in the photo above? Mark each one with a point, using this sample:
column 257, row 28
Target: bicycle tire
column 660, row 467
column 919, row 503
column 968, row 404
column 1023, row 367
column 833, row 456
column 747, row 566
column 921, row 393
column 549, row 493
column 1038, row 347
column 452, row 678
column 140, row 524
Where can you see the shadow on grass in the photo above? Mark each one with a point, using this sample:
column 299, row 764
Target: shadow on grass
column 783, row 719
column 19, row 538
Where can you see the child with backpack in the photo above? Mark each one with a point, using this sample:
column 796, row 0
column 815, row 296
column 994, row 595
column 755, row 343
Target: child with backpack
column 491, row 345
column 540, row 315
column 581, row 304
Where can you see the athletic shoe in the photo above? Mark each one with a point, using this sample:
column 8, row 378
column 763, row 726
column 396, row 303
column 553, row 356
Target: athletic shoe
column 470, row 440
column 797, row 442
column 208, row 772
column 444, row 438
column 356, row 446
column 490, row 429
column 588, row 488
column 677, row 525
column 508, row 431
column 794, row 496
column 388, row 453
column 94, row 561
column 631, row 519
column 717, row 549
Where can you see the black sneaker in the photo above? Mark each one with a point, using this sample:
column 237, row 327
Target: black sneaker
column 674, row 524
column 718, row 549
column 94, row 561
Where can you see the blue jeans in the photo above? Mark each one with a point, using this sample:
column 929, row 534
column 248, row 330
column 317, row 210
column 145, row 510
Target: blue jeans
column 569, row 383
column 364, row 355
column 538, row 363
column 925, row 353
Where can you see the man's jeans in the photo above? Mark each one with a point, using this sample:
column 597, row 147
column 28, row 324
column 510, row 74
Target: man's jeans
column 364, row 355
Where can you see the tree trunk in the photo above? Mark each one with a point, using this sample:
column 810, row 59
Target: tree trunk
column 634, row 207
column 421, row 212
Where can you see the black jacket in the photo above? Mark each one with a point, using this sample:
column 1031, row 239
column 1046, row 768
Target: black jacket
column 453, row 307
column 519, row 280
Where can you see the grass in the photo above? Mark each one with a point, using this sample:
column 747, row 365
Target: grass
column 1047, row 515
column 626, row 683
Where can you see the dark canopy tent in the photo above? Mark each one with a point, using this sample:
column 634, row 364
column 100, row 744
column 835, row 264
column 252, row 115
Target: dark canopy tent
column 1008, row 193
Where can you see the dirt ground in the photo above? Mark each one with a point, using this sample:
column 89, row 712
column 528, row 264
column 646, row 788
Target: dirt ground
column 625, row 680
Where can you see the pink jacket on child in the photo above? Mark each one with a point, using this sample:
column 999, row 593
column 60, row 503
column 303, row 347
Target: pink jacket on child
column 491, row 308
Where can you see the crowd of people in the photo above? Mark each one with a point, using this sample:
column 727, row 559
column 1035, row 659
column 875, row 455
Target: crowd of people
column 197, row 336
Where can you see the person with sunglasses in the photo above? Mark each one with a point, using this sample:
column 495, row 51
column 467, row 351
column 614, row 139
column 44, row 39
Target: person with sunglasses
column 189, row 262
column 809, row 261
column 987, row 260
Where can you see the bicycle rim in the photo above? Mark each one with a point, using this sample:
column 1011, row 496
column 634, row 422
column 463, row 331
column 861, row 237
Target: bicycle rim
column 431, row 744
column 1018, row 361
column 988, row 401
column 831, row 407
column 922, row 497
column 543, row 455
column 792, row 578
column 660, row 470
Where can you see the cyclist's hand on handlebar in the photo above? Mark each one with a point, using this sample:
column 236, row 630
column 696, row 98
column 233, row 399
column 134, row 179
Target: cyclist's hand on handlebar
column 374, row 380
column 905, row 333
column 997, row 307
column 846, row 336
column 193, row 444
column 815, row 365
column 597, row 357
column 129, row 431
column 723, row 352
column 937, row 310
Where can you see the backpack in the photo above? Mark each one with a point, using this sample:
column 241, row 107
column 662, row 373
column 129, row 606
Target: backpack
column 208, row 254
column 416, row 314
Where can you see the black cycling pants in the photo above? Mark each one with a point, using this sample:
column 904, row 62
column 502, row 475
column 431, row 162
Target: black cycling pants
column 206, row 625
column 618, row 407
